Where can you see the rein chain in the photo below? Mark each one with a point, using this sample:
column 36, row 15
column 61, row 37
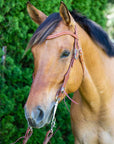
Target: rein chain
column 77, row 53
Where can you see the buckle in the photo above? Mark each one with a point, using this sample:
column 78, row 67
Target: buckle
column 62, row 89
column 77, row 53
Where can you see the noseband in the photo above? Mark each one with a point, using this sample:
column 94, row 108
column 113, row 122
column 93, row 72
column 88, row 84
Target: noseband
column 77, row 53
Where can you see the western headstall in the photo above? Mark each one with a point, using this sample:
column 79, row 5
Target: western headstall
column 77, row 53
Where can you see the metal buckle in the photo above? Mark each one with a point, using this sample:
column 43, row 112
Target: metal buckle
column 62, row 89
column 77, row 53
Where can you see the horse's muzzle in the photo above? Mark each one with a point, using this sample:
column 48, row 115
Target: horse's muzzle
column 36, row 119
column 39, row 117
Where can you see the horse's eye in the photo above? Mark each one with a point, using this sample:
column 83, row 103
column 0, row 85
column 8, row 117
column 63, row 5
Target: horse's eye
column 65, row 53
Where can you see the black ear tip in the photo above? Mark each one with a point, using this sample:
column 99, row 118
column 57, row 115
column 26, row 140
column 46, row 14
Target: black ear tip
column 62, row 2
column 28, row 3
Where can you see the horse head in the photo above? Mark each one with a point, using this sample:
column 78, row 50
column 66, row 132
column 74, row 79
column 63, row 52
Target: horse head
column 51, row 61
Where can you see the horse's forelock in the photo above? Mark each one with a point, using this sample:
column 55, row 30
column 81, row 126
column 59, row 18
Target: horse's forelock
column 45, row 29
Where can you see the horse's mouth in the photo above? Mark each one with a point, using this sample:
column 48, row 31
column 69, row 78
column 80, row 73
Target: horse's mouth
column 47, row 119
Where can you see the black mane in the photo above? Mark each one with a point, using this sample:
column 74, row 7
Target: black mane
column 97, row 34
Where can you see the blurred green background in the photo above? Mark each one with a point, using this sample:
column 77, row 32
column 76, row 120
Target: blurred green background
column 16, row 28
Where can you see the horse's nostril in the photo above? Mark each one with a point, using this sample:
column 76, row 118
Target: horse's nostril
column 36, row 117
column 40, row 114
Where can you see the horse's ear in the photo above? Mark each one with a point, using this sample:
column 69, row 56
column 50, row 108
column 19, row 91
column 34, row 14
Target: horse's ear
column 36, row 15
column 65, row 14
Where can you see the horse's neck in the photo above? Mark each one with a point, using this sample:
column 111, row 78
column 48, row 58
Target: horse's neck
column 95, row 87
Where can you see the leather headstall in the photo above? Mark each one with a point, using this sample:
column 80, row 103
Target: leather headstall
column 77, row 53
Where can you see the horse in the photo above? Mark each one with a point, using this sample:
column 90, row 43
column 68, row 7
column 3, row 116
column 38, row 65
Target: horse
column 90, row 76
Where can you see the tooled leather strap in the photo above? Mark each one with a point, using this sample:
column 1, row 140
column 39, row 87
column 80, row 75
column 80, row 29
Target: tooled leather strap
column 61, row 34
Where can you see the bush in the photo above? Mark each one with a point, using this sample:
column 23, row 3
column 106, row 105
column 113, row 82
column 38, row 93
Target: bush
column 16, row 28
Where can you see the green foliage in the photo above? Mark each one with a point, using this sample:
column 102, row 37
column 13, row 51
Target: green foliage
column 110, row 22
column 16, row 28
column 92, row 9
